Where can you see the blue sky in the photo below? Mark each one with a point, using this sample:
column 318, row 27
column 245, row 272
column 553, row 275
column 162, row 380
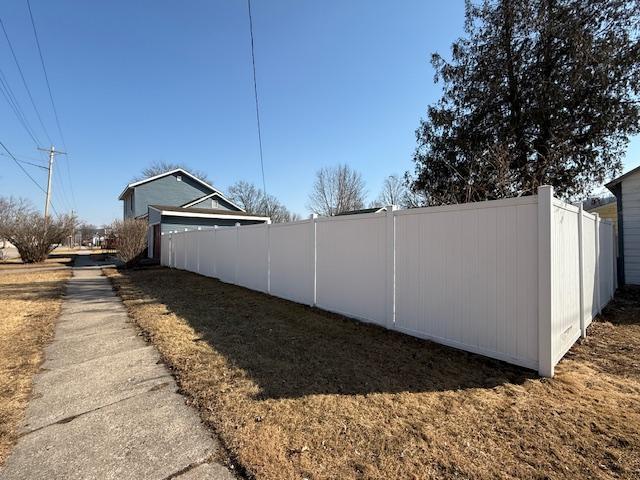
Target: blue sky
column 134, row 82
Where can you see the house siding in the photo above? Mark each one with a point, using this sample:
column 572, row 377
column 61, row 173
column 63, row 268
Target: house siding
column 171, row 223
column 127, row 206
column 167, row 191
column 215, row 202
column 631, row 228
column 154, row 216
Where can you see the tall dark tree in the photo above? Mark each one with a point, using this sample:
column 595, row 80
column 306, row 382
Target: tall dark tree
column 538, row 92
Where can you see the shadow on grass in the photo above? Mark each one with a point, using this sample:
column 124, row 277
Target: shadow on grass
column 291, row 350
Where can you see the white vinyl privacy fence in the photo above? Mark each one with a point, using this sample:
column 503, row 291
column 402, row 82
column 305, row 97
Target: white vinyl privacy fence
column 518, row 279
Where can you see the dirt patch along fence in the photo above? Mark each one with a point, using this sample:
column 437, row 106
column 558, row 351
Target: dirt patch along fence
column 518, row 280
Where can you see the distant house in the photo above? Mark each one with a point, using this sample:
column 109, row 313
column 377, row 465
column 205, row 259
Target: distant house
column 605, row 207
column 363, row 210
column 178, row 200
column 626, row 189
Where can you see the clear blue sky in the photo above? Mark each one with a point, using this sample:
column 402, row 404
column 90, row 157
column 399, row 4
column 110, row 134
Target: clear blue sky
column 137, row 81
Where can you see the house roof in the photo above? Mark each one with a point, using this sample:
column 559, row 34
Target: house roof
column 616, row 181
column 170, row 172
column 204, row 212
column 591, row 203
column 363, row 210
column 214, row 194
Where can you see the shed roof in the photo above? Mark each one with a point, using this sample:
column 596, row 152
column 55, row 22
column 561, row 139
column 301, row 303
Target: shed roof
column 204, row 212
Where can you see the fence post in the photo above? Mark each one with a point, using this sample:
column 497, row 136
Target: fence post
column 235, row 275
column 545, row 281
column 170, row 250
column 314, row 258
column 597, row 223
column 391, row 266
column 583, row 323
column 268, row 227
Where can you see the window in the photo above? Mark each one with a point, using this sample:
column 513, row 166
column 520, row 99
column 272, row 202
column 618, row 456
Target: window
column 179, row 178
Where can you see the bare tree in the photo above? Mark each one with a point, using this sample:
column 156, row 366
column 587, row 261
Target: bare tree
column 253, row 200
column 394, row 192
column 129, row 238
column 337, row 190
column 30, row 232
column 159, row 167
column 247, row 196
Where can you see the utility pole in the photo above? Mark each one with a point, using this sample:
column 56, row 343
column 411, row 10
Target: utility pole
column 52, row 154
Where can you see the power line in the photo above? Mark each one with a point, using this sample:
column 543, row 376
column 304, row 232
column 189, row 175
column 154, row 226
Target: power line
column 12, row 100
column 255, row 93
column 24, row 81
column 25, row 161
column 22, row 168
column 12, row 156
column 53, row 104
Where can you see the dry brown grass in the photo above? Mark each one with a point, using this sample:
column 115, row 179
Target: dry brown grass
column 16, row 263
column 295, row 392
column 29, row 305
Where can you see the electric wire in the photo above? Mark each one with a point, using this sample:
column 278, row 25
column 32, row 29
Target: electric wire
column 255, row 93
column 11, row 99
column 22, row 168
column 53, row 104
column 24, row 82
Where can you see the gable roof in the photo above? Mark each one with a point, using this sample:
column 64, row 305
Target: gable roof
column 214, row 194
column 616, row 181
column 170, row 172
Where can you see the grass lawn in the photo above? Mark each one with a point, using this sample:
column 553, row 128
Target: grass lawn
column 294, row 392
column 29, row 305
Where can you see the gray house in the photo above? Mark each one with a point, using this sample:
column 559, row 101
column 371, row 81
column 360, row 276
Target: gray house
column 177, row 200
column 626, row 189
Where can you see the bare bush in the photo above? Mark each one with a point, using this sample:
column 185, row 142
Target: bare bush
column 33, row 235
column 130, row 239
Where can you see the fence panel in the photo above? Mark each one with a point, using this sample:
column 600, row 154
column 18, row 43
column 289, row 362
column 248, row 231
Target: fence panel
column 565, row 271
column 589, row 267
column 181, row 251
column 191, row 242
column 207, row 252
column 226, row 253
column 165, row 252
column 292, row 261
column 606, row 261
column 351, row 266
column 467, row 277
column 253, row 261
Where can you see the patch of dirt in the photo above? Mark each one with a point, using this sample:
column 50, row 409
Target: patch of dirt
column 29, row 305
column 295, row 392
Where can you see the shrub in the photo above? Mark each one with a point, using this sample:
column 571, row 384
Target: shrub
column 33, row 235
column 130, row 239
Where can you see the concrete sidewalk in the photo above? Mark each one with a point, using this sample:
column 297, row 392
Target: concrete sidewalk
column 104, row 406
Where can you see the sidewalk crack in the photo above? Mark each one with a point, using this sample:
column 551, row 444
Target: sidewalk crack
column 71, row 418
